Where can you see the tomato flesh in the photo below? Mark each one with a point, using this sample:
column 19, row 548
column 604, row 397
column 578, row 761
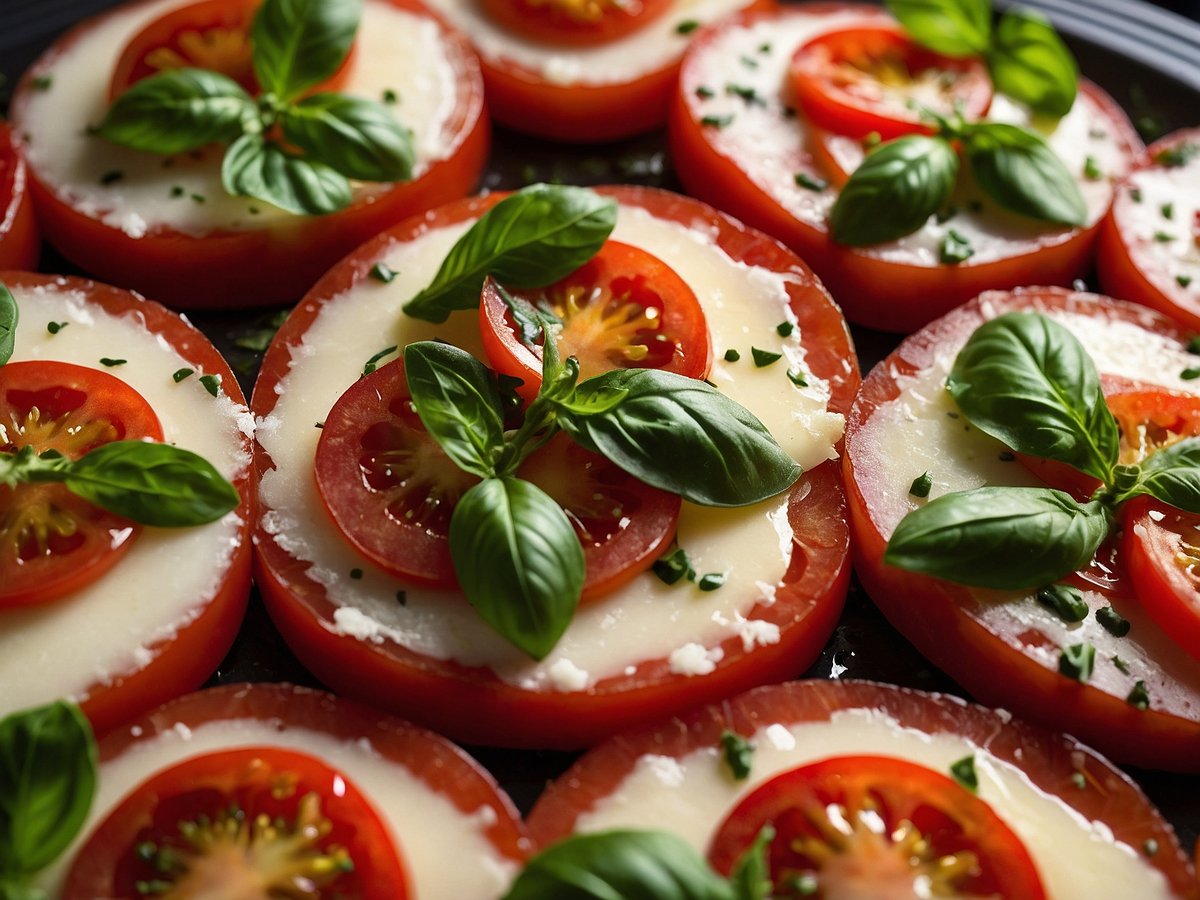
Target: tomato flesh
column 51, row 541
column 574, row 23
column 873, row 826
column 255, row 822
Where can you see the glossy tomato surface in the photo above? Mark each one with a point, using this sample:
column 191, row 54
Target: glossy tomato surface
column 19, row 238
column 471, row 702
column 1003, row 647
column 680, row 764
column 751, row 154
column 251, row 257
column 189, row 651
column 574, row 23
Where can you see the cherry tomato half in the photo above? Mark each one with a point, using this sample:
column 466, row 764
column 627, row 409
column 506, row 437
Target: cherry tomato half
column 872, row 78
column 52, row 541
column 623, row 308
column 250, row 822
column 574, row 23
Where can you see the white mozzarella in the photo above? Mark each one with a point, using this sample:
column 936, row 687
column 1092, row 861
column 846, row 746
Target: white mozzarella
column 422, row 822
column 751, row 546
column 396, row 50
column 691, row 796
column 112, row 627
column 1160, row 225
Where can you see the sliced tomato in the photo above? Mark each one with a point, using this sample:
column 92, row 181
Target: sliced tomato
column 250, row 822
column 873, row 79
column 19, row 239
column 623, row 308
column 1149, row 247
column 574, row 23
column 51, row 541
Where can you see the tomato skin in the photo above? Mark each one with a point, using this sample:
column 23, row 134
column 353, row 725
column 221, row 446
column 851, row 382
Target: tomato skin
column 472, row 704
column 1151, row 541
column 183, row 661
column 970, row 637
column 547, row 23
column 255, row 267
column 20, row 242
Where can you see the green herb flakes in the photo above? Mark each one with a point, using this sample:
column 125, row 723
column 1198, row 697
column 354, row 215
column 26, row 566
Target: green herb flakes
column 1163, row 237
column 111, row 363
column 1121, row 665
column 716, row 121
column 1183, row 280
column 1167, row 210
column 1064, row 601
column 1139, row 697
column 212, row 384
column 705, row 93
column 1112, row 621
column 1135, row 194
column 180, row 374
column 673, row 566
column 763, row 358
column 687, row 26
column 964, row 773
column 785, row 329
column 955, row 248
column 390, row 97
column 178, row 190
column 747, row 94
column 1177, row 156
column 356, row 574
column 112, row 176
column 731, row 355
column 797, row 377
column 921, row 485
column 711, row 581
column 382, row 272
column 804, row 180
column 56, row 327
column 738, row 754
column 373, row 363
column 1091, row 169
column 1077, row 661
column 1190, row 374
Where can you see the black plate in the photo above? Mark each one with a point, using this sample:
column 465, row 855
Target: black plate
column 1146, row 57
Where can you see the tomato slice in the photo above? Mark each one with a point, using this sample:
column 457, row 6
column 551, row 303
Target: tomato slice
column 248, row 823
column 574, row 23
column 51, row 541
column 623, row 308
column 873, row 826
column 872, row 78
column 19, row 239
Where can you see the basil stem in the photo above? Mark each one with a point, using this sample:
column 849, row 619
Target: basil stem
column 952, row 27
column 299, row 43
column 9, row 316
column 1018, row 170
column 1029, row 62
column 1171, row 475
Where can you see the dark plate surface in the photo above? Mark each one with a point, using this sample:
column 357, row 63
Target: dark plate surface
column 1147, row 57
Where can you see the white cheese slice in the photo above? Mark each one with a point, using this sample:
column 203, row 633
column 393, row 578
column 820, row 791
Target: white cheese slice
column 1161, row 225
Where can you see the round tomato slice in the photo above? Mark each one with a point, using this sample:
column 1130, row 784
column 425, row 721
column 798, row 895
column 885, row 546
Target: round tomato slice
column 51, row 541
column 873, row 79
column 574, row 23
column 623, row 308
column 248, row 823
column 19, row 239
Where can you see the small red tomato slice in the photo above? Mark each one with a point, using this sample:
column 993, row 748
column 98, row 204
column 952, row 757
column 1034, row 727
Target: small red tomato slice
column 574, row 23
column 51, row 541
column 624, row 308
column 873, row 826
column 256, row 822
column 872, row 78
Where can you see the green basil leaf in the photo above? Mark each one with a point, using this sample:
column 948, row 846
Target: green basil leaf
column 178, row 111
column 300, row 43
column 1029, row 62
column 458, row 402
column 1027, row 381
column 952, row 27
column 152, row 484
column 47, row 780
column 530, row 239
column 999, row 537
column 518, row 561
column 25, row 467
column 1172, row 475
column 18, row 890
column 681, row 435
column 257, row 168
column 9, row 315
column 620, row 865
column 751, row 876
column 899, row 185
column 1018, row 170
column 358, row 138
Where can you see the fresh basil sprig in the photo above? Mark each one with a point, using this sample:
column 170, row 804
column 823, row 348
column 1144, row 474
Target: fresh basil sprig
column 295, row 45
column 149, row 483
column 1027, row 381
column 530, row 239
column 9, row 316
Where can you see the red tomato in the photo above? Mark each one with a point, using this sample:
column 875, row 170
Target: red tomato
column 624, row 308
column 474, row 704
column 191, row 651
column 51, row 541
column 19, row 239
column 873, row 826
column 1053, row 764
column 874, row 79
column 1007, row 653
column 195, row 829
column 754, row 159
column 574, row 23
column 1149, row 246
column 287, row 726
column 249, row 265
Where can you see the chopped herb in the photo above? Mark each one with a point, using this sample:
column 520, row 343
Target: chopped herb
column 1150, row 846
column 1167, row 210
column 402, row 598
column 955, row 248
column 1183, row 280
column 178, row 191
column 687, row 26
column 1006, row 456
column 764, row 48
column 110, row 362
column 749, row 62
column 874, row 139
column 1139, row 697
column 785, row 329
column 1091, row 169
column 390, row 97
column 180, row 374
column 253, row 210
column 1164, row 237
column 1174, row 157
column 732, row 355
column 764, row 358
column 382, row 272
column 1135, row 194
column 320, row 425
column 797, row 377
column 42, row 82
column 212, row 383
column 56, row 327
column 356, row 574
column 804, row 180
column 373, row 363
column 705, row 93
column 1190, row 374
column 921, row 485
column 964, row 773
column 1121, row 664
column 711, row 581
column 1193, row 345
column 673, row 566
column 1112, row 621
column 1078, row 780
column 945, row 215
column 749, row 94
column 1064, row 601
column 198, row 198
column 739, row 754
column 112, row 176
column 716, row 121
column 1077, row 661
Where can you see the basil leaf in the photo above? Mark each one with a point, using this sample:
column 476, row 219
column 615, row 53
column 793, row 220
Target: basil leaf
column 518, row 561
column 152, row 484
column 681, row 435
column 1172, row 475
column 26, row 466
column 1029, row 62
column 299, row 43
column 751, row 876
column 9, row 316
column 899, row 185
column 1018, row 170
column 17, row 890
column 178, row 111
column 257, row 168
column 530, row 239
column 458, row 402
column 619, row 865
column 47, row 780
column 1026, row 380
column 999, row 537
column 952, row 27
column 358, row 138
